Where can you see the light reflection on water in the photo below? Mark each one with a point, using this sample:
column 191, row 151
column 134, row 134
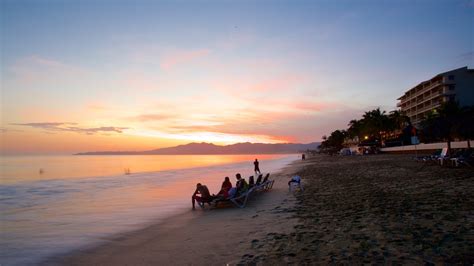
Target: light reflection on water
column 40, row 218
column 33, row 168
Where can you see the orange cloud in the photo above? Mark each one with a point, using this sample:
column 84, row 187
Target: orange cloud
column 29, row 142
column 272, row 120
column 153, row 117
column 297, row 106
column 211, row 136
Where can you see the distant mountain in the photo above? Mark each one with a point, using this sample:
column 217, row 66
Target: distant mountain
column 209, row 148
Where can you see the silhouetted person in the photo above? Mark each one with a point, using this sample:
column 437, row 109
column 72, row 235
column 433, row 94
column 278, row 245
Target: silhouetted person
column 257, row 168
column 241, row 184
column 204, row 192
column 303, row 157
column 226, row 186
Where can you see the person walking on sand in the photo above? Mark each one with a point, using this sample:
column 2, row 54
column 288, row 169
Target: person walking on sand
column 257, row 168
column 204, row 192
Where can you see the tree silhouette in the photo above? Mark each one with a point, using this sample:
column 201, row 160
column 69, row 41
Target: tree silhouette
column 334, row 142
column 355, row 129
column 464, row 124
column 397, row 120
column 448, row 122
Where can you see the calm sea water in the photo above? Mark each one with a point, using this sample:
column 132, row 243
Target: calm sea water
column 80, row 200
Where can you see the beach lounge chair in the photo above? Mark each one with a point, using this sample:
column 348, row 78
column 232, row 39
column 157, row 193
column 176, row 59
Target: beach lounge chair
column 295, row 182
column 429, row 158
column 265, row 179
column 443, row 156
column 241, row 200
column 202, row 202
column 293, row 186
column 463, row 157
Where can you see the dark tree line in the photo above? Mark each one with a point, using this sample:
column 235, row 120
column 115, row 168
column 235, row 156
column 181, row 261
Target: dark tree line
column 449, row 122
column 444, row 124
column 372, row 127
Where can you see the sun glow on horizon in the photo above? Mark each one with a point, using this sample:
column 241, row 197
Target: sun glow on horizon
column 211, row 137
column 164, row 75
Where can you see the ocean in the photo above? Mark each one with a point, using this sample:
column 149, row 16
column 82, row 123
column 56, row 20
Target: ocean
column 51, row 205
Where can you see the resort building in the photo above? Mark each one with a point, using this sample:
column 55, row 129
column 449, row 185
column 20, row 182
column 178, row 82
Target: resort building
column 424, row 98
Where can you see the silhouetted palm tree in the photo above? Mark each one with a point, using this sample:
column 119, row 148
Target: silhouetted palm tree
column 397, row 120
column 464, row 124
column 334, row 142
column 355, row 129
column 445, row 123
column 374, row 123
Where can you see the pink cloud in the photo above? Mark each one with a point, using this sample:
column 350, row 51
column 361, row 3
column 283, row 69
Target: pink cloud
column 279, row 83
column 154, row 117
column 181, row 57
column 315, row 106
column 273, row 116
column 45, row 61
column 36, row 69
column 71, row 127
column 260, row 91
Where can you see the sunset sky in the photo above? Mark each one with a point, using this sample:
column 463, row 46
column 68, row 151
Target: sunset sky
column 135, row 75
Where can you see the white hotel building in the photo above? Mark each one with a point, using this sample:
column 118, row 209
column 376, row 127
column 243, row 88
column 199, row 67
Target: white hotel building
column 454, row 85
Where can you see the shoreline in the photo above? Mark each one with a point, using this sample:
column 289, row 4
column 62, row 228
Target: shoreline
column 221, row 235
column 45, row 163
column 354, row 210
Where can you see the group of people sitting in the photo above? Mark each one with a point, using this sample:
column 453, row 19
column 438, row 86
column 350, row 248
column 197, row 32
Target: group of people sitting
column 202, row 194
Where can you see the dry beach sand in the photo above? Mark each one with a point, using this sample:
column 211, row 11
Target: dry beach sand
column 378, row 209
column 360, row 209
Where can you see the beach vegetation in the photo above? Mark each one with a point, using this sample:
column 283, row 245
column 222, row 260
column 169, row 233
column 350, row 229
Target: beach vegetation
column 334, row 142
column 377, row 128
column 374, row 128
column 449, row 122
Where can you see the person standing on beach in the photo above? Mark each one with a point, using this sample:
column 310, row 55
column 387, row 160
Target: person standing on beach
column 257, row 168
column 204, row 192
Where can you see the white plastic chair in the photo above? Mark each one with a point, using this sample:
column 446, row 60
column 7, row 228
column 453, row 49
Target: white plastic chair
column 294, row 185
